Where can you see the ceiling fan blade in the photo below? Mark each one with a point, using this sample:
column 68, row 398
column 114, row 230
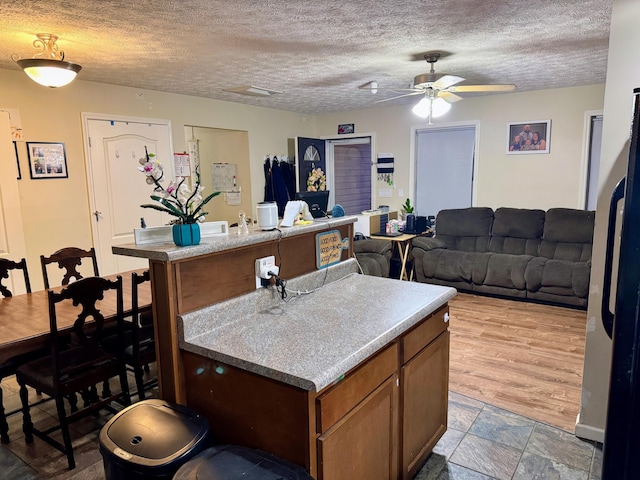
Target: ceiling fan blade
column 450, row 97
column 482, row 88
column 447, row 81
column 399, row 96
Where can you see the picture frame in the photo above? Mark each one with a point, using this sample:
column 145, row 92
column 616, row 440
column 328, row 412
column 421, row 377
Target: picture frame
column 345, row 128
column 18, row 173
column 538, row 133
column 47, row 160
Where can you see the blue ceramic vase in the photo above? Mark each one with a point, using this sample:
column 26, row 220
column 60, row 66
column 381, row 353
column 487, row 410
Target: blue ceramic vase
column 186, row 234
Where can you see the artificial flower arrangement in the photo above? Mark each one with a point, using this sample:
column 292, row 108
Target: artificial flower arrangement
column 316, row 181
column 177, row 199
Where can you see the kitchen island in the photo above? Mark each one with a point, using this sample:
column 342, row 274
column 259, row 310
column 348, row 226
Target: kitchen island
column 348, row 376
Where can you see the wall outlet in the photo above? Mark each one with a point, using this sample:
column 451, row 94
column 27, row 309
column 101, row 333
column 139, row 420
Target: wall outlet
column 260, row 263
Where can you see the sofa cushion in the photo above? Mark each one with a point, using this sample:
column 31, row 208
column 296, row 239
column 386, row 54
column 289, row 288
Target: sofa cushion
column 504, row 270
column 568, row 235
column 465, row 229
column 517, row 231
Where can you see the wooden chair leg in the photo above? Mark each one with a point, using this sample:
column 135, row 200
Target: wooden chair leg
column 4, row 426
column 139, row 374
column 27, row 425
column 66, row 435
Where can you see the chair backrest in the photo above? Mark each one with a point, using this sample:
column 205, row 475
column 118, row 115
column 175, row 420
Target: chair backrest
column 83, row 296
column 68, row 259
column 7, row 265
column 142, row 319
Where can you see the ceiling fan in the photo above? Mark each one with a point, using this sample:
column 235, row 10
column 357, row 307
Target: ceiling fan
column 439, row 91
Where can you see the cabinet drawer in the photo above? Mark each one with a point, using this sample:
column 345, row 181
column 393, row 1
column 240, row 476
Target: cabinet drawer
column 335, row 402
column 424, row 333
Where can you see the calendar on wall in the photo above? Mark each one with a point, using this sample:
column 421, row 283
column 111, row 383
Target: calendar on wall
column 224, row 177
column 182, row 164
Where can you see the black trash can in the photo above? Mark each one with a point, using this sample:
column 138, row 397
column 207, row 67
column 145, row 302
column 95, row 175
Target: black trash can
column 151, row 439
column 233, row 462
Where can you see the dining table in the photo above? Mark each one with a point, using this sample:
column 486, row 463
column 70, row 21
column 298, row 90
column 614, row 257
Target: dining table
column 24, row 319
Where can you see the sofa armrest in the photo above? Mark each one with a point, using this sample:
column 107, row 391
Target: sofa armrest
column 428, row 243
column 372, row 246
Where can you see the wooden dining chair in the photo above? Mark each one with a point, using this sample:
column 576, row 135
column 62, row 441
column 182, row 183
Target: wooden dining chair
column 68, row 259
column 7, row 266
column 9, row 367
column 140, row 345
column 78, row 368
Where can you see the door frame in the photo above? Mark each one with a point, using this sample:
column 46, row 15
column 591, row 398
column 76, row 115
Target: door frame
column 86, row 118
column 350, row 139
column 413, row 154
column 585, row 164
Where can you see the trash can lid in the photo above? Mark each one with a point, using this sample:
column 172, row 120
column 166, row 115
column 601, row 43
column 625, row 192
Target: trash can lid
column 155, row 430
column 234, row 462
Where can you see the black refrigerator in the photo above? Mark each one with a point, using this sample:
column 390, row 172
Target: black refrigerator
column 621, row 454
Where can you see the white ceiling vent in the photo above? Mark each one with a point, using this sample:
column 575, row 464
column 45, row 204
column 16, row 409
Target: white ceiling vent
column 253, row 91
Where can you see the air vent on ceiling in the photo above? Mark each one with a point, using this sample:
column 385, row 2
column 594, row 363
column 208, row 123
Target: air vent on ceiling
column 253, row 91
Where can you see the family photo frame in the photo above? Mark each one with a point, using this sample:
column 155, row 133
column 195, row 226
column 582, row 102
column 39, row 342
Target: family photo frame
column 47, row 160
column 528, row 137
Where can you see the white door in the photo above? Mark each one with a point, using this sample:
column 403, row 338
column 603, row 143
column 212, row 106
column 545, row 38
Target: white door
column 117, row 188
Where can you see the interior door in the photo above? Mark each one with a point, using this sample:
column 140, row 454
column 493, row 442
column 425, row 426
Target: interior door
column 117, row 188
column 310, row 154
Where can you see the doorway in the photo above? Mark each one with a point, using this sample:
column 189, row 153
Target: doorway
column 593, row 139
column 443, row 170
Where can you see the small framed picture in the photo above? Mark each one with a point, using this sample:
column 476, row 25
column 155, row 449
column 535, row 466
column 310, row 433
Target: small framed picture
column 528, row 137
column 345, row 128
column 47, row 160
column 18, row 173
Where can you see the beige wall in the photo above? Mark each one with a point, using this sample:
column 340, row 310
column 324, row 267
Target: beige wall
column 623, row 75
column 524, row 181
column 56, row 212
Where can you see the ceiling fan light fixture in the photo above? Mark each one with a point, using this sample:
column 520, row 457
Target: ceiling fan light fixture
column 48, row 68
column 422, row 108
column 439, row 107
column 429, row 107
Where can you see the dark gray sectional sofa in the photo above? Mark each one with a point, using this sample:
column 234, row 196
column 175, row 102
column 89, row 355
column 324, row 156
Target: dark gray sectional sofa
column 522, row 253
column 373, row 256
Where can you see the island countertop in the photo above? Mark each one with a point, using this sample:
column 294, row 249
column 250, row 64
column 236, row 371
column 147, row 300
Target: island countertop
column 170, row 252
column 312, row 340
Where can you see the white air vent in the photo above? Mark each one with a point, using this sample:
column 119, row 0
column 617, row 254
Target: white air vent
column 253, row 91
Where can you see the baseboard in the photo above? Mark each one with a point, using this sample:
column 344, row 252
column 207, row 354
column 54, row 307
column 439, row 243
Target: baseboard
column 588, row 432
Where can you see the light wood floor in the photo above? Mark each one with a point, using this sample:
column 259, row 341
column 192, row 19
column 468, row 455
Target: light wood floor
column 523, row 357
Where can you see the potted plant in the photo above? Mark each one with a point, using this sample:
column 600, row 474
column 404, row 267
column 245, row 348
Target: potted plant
column 178, row 200
column 407, row 207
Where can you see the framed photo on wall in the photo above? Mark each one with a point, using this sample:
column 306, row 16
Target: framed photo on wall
column 47, row 160
column 528, row 137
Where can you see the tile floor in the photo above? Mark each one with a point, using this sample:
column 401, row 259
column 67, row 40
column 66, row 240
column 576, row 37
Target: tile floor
column 482, row 443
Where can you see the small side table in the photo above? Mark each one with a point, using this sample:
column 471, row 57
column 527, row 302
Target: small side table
column 402, row 242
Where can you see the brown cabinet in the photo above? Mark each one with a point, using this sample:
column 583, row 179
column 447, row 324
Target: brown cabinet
column 380, row 421
column 362, row 443
column 424, row 381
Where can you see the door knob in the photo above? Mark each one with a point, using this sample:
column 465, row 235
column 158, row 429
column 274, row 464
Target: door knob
column 97, row 214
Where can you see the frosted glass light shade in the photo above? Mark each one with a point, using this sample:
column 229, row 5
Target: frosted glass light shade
column 422, row 108
column 50, row 73
column 438, row 108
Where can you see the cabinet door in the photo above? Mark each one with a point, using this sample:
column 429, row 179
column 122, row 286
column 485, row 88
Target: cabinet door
column 425, row 384
column 362, row 445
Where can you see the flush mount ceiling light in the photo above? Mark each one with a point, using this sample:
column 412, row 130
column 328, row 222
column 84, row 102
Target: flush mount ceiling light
column 48, row 68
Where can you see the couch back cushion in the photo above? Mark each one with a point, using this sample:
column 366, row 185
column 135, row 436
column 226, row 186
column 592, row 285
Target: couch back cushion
column 465, row 229
column 568, row 235
column 517, row 231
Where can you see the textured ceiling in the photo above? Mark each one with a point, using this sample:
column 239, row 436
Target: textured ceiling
column 315, row 53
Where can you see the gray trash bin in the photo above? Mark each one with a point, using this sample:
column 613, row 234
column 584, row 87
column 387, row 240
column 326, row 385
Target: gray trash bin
column 233, row 462
column 151, row 439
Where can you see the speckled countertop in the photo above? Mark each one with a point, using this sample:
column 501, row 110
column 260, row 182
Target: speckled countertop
column 169, row 251
column 311, row 340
